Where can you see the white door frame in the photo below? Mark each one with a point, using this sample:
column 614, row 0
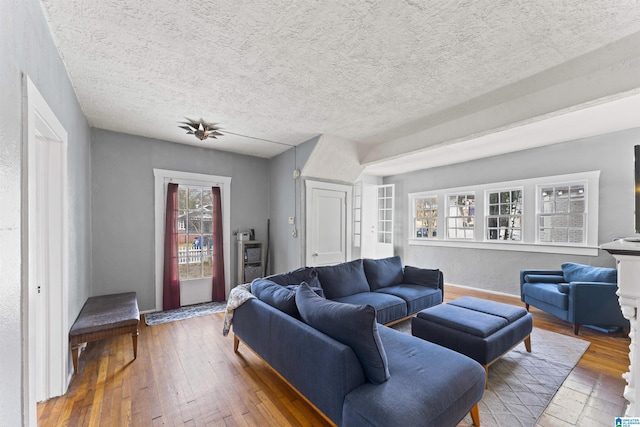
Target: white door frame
column 41, row 124
column 162, row 178
column 348, row 189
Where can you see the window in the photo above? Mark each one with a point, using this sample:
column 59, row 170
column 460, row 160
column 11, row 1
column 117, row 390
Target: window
column 550, row 214
column 385, row 214
column 504, row 219
column 461, row 214
column 195, row 290
column 426, row 217
column 562, row 213
column 195, row 228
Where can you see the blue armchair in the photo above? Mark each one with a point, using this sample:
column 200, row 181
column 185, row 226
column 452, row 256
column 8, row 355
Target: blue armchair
column 578, row 294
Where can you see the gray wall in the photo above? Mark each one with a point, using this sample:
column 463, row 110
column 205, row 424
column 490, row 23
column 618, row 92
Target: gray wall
column 285, row 199
column 123, row 204
column 26, row 46
column 612, row 154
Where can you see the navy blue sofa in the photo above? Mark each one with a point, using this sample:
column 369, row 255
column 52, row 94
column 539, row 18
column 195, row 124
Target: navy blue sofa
column 425, row 384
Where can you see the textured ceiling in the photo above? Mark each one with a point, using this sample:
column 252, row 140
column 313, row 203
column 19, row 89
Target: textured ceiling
column 286, row 71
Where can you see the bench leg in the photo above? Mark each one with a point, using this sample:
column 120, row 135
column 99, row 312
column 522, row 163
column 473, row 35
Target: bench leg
column 475, row 415
column 236, row 343
column 134, row 338
column 74, row 357
column 486, row 373
column 527, row 343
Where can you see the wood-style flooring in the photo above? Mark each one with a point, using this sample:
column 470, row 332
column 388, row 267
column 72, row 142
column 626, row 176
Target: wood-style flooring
column 187, row 374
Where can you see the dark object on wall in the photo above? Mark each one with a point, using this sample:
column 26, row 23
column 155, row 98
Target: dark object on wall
column 637, row 188
column 252, row 234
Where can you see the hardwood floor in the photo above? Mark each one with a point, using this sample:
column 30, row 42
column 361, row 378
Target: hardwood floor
column 187, row 374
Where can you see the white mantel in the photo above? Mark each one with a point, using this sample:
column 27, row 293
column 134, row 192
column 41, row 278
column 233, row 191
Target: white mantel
column 627, row 254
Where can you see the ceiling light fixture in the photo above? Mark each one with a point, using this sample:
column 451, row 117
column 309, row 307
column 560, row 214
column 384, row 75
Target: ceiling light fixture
column 201, row 129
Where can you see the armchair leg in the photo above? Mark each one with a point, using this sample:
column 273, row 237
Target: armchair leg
column 527, row 306
column 576, row 328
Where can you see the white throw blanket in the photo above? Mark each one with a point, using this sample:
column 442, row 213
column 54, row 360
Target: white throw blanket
column 238, row 296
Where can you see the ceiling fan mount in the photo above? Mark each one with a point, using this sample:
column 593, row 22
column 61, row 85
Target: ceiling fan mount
column 201, row 129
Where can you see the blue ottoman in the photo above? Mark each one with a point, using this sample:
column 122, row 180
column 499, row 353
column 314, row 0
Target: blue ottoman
column 483, row 330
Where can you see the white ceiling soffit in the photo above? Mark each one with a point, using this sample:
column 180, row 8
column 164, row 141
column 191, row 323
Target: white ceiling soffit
column 589, row 121
column 287, row 71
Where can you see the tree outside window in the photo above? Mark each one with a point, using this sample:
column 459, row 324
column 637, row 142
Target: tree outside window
column 461, row 216
column 504, row 221
column 426, row 217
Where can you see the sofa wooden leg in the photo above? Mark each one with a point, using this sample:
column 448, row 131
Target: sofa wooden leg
column 527, row 343
column 526, row 306
column 236, row 343
column 475, row 415
column 576, row 328
column 486, row 375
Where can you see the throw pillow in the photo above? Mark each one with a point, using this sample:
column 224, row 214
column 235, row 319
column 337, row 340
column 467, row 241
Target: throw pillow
column 280, row 297
column 383, row 272
column 344, row 279
column 543, row 278
column 352, row 325
column 585, row 273
column 421, row 276
column 304, row 274
column 564, row 288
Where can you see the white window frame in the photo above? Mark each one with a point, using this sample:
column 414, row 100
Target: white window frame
column 585, row 214
column 529, row 242
column 415, row 218
column 447, row 217
column 487, row 213
column 161, row 178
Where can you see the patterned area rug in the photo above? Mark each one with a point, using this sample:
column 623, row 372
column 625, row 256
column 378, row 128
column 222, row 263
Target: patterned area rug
column 522, row 384
column 186, row 312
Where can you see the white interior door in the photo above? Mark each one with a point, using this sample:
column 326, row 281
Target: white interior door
column 377, row 221
column 47, row 350
column 328, row 223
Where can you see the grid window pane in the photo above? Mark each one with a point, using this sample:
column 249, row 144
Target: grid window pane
column 195, row 227
column 426, row 209
column 562, row 214
column 504, row 221
column 461, row 216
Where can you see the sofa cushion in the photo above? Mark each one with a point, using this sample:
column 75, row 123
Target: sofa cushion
column 275, row 295
column 384, row 272
column 429, row 386
column 281, row 297
column 421, row 276
column 343, row 279
column 417, row 297
column 295, row 277
column 585, row 273
column 353, row 325
column 547, row 293
column 388, row 307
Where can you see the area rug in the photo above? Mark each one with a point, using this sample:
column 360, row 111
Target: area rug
column 522, row 384
column 186, row 312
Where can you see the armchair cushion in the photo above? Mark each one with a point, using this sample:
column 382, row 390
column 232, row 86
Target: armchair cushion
column 543, row 278
column 585, row 273
column 547, row 293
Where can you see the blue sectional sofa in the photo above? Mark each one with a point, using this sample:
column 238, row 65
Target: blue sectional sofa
column 354, row 370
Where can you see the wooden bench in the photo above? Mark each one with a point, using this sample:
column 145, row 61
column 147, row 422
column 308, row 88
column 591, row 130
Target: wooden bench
column 103, row 317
